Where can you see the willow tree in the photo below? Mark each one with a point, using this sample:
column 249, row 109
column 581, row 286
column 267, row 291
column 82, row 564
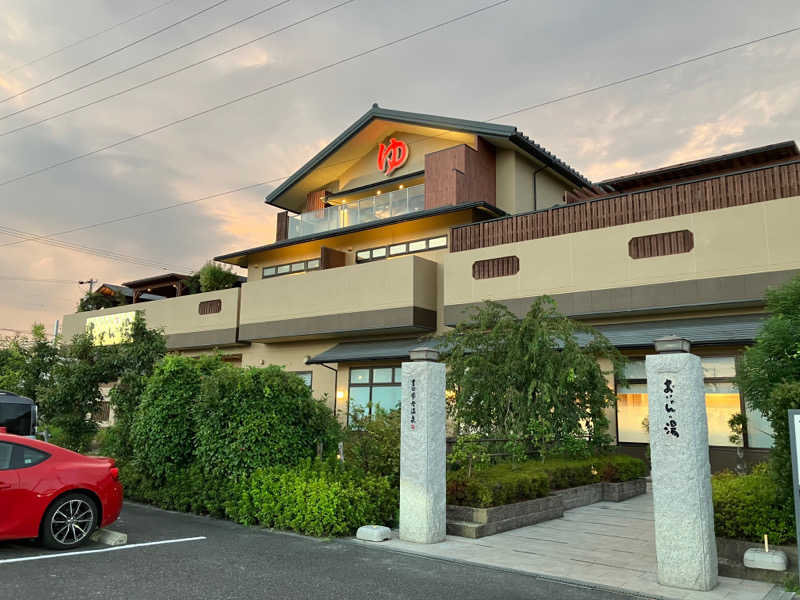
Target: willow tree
column 537, row 379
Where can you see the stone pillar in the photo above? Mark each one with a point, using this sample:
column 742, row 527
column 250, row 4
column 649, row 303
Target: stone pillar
column 686, row 549
column 423, row 449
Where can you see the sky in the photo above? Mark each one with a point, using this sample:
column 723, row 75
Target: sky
column 514, row 55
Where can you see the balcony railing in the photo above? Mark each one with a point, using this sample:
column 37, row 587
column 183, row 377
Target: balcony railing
column 373, row 208
column 710, row 193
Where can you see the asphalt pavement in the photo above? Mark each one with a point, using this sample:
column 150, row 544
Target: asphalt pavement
column 177, row 556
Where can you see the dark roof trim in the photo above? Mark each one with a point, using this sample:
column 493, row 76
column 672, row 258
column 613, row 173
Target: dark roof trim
column 366, row 351
column 166, row 279
column 433, row 212
column 778, row 151
column 477, row 127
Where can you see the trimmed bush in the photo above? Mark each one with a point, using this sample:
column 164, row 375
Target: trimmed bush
column 505, row 483
column 253, row 418
column 164, row 424
column 748, row 506
column 314, row 498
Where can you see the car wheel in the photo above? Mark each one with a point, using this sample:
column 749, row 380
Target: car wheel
column 69, row 521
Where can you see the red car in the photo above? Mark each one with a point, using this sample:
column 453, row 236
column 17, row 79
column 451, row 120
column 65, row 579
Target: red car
column 54, row 494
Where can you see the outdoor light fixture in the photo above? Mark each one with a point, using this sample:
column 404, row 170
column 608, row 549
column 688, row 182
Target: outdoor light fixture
column 339, row 394
column 378, row 193
column 671, row 343
column 400, row 187
column 423, row 353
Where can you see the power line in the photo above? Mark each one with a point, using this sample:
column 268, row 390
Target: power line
column 646, row 73
column 528, row 108
column 88, row 37
column 28, row 279
column 151, row 59
column 99, row 252
column 39, row 237
column 258, row 92
column 115, row 51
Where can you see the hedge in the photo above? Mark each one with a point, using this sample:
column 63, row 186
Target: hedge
column 506, row 483
column 314, row 498
column 746, row 507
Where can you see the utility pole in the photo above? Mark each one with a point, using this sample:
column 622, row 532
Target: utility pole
column 91, row 283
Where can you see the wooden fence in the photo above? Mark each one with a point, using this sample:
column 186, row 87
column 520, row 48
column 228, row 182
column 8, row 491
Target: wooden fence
column 710, row 193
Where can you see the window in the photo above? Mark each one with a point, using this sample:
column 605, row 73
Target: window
column 28, row 457
column 295, row 267
column 372, row 387
column 6, row 450
column 400, row 249
column 722, row 402
column 209, row 307
column 306, row 376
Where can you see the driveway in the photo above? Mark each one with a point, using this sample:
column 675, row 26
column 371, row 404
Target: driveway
column 177, row 556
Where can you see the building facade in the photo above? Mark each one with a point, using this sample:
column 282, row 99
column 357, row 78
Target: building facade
column 405, row 221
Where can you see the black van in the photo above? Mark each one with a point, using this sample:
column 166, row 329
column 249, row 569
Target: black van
column 17, row 414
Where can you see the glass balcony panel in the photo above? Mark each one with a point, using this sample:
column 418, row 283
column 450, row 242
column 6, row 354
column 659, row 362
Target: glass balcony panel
column 382, row 207
column 365, row 210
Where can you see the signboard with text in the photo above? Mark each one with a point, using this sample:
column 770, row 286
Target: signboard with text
column 110, row 329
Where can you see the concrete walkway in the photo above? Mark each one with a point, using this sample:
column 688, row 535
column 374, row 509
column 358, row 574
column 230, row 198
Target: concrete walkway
column 606, row 544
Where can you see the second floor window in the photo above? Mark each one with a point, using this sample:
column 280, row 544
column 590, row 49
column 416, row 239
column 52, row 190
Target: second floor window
column 295, row 267
column 434, row 243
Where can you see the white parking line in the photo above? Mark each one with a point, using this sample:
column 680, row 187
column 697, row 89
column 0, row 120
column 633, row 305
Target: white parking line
column 112, row 549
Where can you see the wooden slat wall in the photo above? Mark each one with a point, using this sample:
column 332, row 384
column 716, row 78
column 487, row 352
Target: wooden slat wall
column 661, row 244
column 282, row 226
column 331, row 258
column 495, row 267
column 736, row 189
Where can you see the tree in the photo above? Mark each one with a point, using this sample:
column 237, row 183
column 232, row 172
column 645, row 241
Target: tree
column 96, row 300
column 134, row 361
column 213, row 277
column 535, row 380
column 70, row 396
column 769, row 375
column 25, row 363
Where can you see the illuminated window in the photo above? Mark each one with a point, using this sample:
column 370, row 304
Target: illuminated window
column 400, row 249
column 722, row 402
column 375, row 387
column 296, row 267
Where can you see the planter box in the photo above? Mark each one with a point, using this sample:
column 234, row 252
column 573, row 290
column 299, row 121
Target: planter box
column 471, row 522
column 624, row 490
column 466, row 521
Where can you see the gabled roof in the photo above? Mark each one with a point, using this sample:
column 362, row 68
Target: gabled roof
column 484, row 129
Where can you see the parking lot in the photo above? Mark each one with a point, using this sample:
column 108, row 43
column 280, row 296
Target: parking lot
column 177, row 556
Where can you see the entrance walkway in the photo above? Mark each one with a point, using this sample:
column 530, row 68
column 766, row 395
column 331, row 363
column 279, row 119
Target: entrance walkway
column 608, row 544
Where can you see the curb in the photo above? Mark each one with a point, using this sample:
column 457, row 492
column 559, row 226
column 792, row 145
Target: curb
column 110, row 538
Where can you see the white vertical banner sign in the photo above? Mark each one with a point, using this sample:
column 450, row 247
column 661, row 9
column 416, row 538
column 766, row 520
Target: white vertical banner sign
column 794, row 440
column 422, row 453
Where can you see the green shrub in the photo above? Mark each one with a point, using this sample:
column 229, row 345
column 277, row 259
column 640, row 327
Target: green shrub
column 314, row 498
column 506, row 483
column 253, row 418
column 373, row 443
column 212, row 277
column 164, row 426
column 186, row 490
column 748, row 506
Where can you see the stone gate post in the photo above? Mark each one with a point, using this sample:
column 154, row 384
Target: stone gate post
column 686, row 548
column 423, row 449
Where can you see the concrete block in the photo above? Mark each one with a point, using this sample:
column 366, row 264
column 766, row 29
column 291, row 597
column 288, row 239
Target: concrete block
column 109, row 538
column 374, row 533
column 757, row 558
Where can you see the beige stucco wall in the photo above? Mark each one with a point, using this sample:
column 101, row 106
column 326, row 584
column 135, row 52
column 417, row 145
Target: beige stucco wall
column 174, row 315
column 392, row 283
column 514, row 177
column 732, row 241
column 365, row 171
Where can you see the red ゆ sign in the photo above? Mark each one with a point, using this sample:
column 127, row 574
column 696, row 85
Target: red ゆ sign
column 392, row 156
